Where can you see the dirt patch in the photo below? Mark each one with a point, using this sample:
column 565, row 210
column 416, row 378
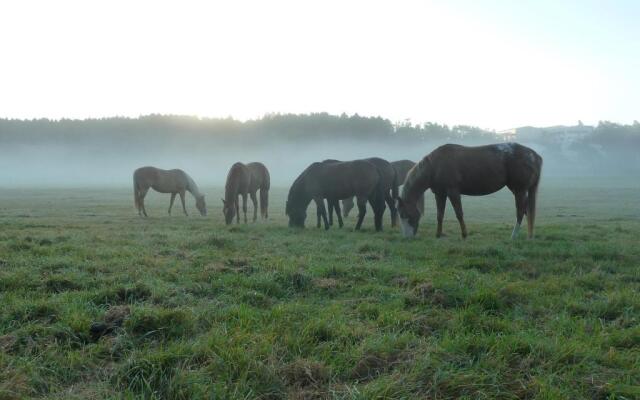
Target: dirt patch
column 59, row 285
column 113, row 318
column 303, row 373
column 326, row 283
column 372, row 365
column 7, row 342
column 400, row 281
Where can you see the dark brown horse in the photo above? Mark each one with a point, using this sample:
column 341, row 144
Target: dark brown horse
column 453, row 170
column 332, row 206
column 402, row 168
column 390, row 183
column 335, row 181
column 260, row 180
column 174, row 181
column 243, row 180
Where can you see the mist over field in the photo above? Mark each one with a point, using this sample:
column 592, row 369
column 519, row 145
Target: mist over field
column 75, row 153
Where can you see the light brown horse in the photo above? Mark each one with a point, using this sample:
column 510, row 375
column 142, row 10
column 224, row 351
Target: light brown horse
column 174, row 181
column 453, row 170
column 243, row 180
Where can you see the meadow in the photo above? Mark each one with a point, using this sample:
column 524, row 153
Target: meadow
column 97, row 303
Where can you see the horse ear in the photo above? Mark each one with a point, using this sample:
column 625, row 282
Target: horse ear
column 224, row 202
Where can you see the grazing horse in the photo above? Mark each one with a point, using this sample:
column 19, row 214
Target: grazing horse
column 402, row 168
column 174, row 181
column 332, row 206
column 260, row 180
column 335, row 181
column 453, row 170
column 243, row 180
column 390, row 184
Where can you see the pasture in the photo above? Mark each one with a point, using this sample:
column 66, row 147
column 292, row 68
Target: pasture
column 188, row 308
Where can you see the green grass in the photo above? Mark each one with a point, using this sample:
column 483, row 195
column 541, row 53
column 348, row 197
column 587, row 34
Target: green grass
column 190, row 308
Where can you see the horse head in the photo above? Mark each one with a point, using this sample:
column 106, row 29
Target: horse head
column 201, row 205
column 409, row 217
column 229, row 211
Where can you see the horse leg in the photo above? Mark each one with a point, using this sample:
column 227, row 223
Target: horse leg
column 441, row 202
column 454, row 198
column 142, row 195
column 319, row 216
column 521, row 205
column 254, row 200
column 392, row 208
column 173, row 197
column 184, row 208
column 330, row 205
column 244, row 206
column 323, row 211
column 238, row 209
column 336, row 205
column 377, row 204
column 362, row 210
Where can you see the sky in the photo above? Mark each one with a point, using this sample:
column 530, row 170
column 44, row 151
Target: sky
column 493, row 64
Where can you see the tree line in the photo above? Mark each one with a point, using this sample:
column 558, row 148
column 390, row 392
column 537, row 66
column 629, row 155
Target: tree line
column 608, row 142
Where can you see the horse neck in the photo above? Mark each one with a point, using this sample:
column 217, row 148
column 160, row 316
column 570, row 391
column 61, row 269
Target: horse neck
column 192, row 187
column 417, row 182
column 231, row 190
column 298, row 189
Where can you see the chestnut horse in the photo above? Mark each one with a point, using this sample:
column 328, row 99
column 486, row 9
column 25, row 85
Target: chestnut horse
column 453, row 170
column 335, row 181
column 174, row 181
column 243, row 180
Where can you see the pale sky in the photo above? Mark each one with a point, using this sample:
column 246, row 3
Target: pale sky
column 494, row 64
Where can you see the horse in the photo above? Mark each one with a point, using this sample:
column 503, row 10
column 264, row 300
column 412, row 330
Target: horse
column 452, row 170
column 333, row 206
column 243, row 180
column 390, row 183
column 174, row 181
column 335, row 181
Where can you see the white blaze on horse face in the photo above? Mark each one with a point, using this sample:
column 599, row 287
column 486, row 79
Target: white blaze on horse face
column 407, row 230
column 516, row 229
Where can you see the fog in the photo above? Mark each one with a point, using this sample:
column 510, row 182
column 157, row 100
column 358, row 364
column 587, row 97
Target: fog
column 67, row 153
column 63, row 166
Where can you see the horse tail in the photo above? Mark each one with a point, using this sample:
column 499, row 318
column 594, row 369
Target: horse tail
column 264, row 195
column 136, row 197
column 532, row 195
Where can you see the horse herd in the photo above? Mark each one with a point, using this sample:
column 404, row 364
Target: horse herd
column 449, row 171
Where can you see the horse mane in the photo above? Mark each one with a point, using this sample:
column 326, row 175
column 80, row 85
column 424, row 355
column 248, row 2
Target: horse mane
column 297, row 188
column 415, row 175
column 231, row 186
column 191, row 186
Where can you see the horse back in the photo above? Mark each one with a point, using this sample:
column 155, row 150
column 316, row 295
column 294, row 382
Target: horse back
column 482, row 170
column 260, row 178
column 341, row 180
column 402, row 168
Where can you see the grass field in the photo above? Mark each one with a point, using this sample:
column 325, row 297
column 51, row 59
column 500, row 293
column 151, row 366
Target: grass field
column 98, row 303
